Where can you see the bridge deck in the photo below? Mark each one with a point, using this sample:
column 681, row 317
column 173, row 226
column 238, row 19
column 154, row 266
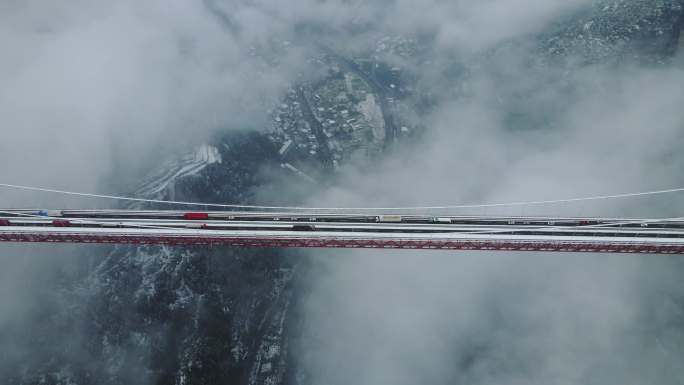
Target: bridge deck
column 263, row 229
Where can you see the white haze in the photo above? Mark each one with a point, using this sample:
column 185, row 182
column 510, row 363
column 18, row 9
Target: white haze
column 380, row 317
column 620, row 132
column 97, row 86
column 93, row 86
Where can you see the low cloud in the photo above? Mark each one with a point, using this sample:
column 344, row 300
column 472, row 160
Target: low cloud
column 93, row 88
column 520, row 131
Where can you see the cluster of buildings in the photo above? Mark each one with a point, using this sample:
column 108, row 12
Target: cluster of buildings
column 341, row 117
column 346, row 108
column 396, row 45
column 293, row 133
column 330, row 121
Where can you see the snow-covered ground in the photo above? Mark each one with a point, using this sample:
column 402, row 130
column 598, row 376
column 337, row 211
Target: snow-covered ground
column 187, row 165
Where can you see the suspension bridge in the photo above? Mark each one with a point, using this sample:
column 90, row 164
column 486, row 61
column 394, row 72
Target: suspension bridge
column 430, row 228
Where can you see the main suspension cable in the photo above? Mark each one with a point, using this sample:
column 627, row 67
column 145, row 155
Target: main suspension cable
column 342, row 209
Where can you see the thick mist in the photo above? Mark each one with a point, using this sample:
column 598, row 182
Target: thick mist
column 92, row 88
column 521, row 131
column 596, row 131
column 95, row 94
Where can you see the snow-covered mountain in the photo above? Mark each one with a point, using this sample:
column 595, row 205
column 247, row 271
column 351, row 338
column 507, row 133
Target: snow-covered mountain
column 200, row 315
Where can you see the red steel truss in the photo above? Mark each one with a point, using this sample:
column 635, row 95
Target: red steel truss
column 332, row 242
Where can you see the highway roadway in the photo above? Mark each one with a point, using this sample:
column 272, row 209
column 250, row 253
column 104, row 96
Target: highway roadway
column 343, row 230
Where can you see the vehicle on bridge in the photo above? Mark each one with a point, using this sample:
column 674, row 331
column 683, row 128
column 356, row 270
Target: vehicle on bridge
column 303, row 228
